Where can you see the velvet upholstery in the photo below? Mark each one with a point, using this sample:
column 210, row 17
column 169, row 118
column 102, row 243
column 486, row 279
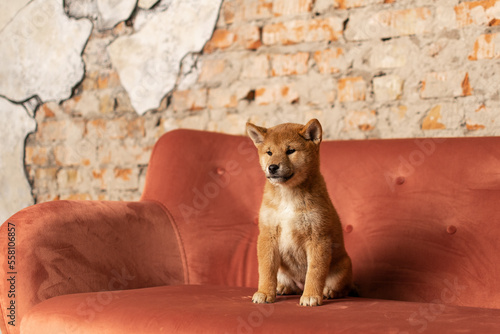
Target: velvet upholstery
column 420, row 223
column 221, row 309
column 67, row 247
column 423, row 215
column 212, row 186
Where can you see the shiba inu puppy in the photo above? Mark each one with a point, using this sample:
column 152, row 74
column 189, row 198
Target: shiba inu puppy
column 300, row 245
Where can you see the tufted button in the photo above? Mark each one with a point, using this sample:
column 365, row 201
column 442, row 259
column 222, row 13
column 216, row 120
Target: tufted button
column 348, row 229
column 220, row 170
column 451, row 229
column 400, row 180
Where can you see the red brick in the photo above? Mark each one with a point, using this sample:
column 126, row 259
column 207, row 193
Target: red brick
column 77, row 197
column 83, row 105
column 123, row 174
column 121, row 28
column 232, row 11
column 108, row 80
column 276, row 94
column 257, row 9
column 473, row 126
column 485, row 47
column 364, row 25
column 125, row 178
column 292, row 32
column 49, row 110
column 37, row 155
column 41, row 198
column 61, row 130
column 407, row 21
column 211, row 70
column 222, row 98
column 135, row 128
column 388, row 87
column 432, row 120
column 115, row 178
column 255, row 67
column 291, row 7
column 446, row 84
column 276, row 33
column 90, row 80
column 477, row 13
column 191, row 100
column 347, row 4
column 466, row 87
column 248, row 37
column 69, row 178
column 289, row 64
column 329, row 61
column 351, row 89
column 116, row 128
column 45, row 178
column 364, row 120
column 72, row 155
column 99, row 178
column 221, row 39
column 482, row 117
column 127, row 153
column 219, row 98
column 106, row 103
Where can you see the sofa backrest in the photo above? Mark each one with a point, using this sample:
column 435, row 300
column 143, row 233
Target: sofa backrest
column 212, row 187
column 421, row 217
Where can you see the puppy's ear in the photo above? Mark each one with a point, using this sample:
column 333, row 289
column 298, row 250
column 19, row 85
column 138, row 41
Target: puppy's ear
column 312, row 131
column 256, row 133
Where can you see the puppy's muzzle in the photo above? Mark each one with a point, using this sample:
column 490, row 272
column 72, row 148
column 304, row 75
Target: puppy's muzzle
column 275, row 174
column 273, row 169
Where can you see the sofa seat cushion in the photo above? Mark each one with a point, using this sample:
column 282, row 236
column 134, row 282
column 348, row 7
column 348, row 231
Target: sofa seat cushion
column 217, row 309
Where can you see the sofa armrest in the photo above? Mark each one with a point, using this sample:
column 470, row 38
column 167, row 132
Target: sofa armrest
column 65, row 247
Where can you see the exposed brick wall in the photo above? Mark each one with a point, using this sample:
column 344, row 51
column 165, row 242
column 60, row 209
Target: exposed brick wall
column 365, row 68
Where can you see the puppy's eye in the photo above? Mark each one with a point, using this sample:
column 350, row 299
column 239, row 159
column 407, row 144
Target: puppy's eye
column 269, row 153
column 290, row 151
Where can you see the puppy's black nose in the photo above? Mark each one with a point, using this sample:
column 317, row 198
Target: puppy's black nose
column 273, row 169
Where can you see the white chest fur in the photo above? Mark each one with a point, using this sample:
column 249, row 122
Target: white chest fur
column 289, row 219
column 290, row 216
column 283, row 211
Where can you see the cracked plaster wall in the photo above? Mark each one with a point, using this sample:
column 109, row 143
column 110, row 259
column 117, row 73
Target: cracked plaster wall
column 365, row 68
column 41, row 46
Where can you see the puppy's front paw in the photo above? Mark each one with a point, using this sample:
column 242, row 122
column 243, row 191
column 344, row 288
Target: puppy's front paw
column 261, row 298
column 311, row 300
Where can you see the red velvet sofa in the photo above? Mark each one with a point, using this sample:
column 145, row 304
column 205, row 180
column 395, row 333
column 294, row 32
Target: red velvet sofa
column 421, row 220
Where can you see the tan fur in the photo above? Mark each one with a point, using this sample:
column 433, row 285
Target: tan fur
column 300, row 245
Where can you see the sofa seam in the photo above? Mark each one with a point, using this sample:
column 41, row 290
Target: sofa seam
column 178, row 236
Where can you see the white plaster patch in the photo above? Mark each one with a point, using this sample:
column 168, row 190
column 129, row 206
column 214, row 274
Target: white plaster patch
column 146, row 4
column 387, row 87
column 189, row 72
column 14, row 187
column 9, row 9
column 81, row 8
column 114, row 11
column 143, row 14
column 148, row 61
column 41, row 52
column 106, row 13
